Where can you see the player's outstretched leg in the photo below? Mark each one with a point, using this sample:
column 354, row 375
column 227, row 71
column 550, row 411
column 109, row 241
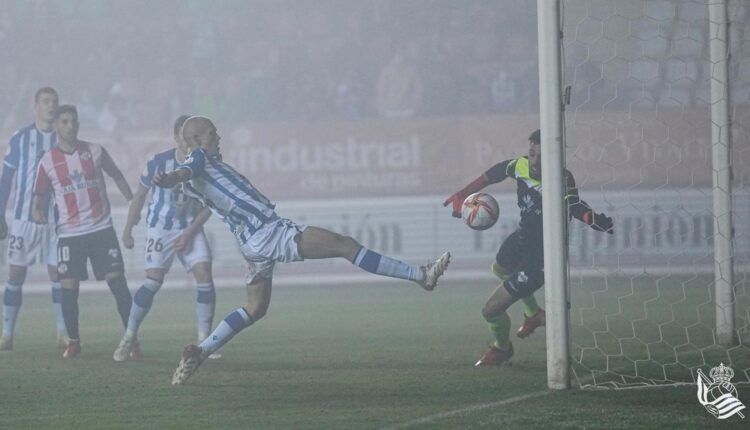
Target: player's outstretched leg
column 315, row 243
column 194, row 355
column 142, row 302
column 258, row 300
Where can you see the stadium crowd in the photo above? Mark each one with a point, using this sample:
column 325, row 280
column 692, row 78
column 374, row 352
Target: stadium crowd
column 266, row 61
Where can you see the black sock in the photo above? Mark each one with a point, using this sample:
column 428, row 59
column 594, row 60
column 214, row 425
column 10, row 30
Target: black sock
column 119, row 288
column 69, row 302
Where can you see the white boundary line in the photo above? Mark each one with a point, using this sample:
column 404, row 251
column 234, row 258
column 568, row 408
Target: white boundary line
column 466, row 410
column 511, row 400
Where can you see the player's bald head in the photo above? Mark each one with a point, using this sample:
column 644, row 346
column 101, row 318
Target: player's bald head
column 194, row 127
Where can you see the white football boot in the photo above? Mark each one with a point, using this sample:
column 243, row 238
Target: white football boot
column 434, row 270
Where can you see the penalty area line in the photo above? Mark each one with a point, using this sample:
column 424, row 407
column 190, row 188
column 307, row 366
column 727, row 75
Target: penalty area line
column 466, row 410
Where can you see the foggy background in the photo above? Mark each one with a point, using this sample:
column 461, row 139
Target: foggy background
column 141, row 63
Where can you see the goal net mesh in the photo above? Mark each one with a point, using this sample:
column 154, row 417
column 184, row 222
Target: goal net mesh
column 638, row 141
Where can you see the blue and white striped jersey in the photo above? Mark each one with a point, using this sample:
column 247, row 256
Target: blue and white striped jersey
column 169, row 208
column 24, row 152
column 229, row 194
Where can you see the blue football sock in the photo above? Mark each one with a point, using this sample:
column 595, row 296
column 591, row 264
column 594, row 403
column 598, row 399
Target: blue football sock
column 142, row 301
column 11, row 306
column 225, row 331
column 57, row 303
column 379, row 264
column 204, row 309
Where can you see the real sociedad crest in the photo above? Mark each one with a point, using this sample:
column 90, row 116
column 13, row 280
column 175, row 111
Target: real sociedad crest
column 720, row 396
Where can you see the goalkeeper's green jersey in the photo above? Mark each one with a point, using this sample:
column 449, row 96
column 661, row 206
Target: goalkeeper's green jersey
column 530, row 193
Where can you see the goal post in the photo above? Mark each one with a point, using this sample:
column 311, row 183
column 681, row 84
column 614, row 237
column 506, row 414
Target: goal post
column 718, row 34
column 553, row 162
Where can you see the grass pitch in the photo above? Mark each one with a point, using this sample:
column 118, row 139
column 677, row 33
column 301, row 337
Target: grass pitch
column 343, row 357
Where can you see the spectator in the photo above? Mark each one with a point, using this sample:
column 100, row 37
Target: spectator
column 399, row 88
column 503, row 92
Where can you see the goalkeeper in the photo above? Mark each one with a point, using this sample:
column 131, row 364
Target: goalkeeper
column 520, row 261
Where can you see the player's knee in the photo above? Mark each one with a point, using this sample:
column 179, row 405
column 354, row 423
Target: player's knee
column 490, row 311
column 345, row 245
column 114, row 276
column 155, row 275
column 16, row 275
column 258, row 312
column 52, row 272
column 70, row 284
column 202, row 273
column 257, row 309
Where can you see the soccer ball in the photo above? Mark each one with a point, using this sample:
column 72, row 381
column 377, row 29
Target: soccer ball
column 480, row 211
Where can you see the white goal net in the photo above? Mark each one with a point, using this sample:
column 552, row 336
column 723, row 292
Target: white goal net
column 638, row 140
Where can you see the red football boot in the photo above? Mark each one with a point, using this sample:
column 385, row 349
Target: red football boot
column 531, row 323
column 73, row 349
column 495, row 356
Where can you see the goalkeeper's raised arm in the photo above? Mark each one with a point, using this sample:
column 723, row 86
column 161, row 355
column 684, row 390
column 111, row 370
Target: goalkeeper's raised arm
column 495, row 174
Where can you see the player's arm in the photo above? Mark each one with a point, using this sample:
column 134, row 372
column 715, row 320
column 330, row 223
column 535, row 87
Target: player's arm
column 192, row 167
column 495, row 174
column 111, row 169
column 10, row 165
column 134, row 215
column 136, row 205
column 581, row 210
column 6, row 183
column 42, row 188
column 183, row 242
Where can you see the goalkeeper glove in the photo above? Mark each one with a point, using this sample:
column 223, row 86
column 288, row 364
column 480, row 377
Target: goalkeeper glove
column 457, row 198
column 599, row 221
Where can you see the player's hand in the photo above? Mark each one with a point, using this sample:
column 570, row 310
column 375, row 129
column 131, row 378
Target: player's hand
column 39, row 217
column 602, row 222
column 456, row 201
column 164, row 180
column 127, row 240
column 184, row 242
column 3, row 228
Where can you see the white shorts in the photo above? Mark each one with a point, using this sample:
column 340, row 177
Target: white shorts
column 160, row 252
column 28, row 240
column 271, row 243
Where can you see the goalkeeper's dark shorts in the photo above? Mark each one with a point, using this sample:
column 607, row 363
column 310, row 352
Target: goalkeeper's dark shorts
column 524, row 257
column 518, row 250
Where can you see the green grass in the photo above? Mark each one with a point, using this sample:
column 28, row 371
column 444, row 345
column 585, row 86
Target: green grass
column 324, row 358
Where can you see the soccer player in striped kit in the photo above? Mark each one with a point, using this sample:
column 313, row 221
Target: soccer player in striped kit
column 175, row 228
column 73, row 172
column 28, row 242
column 264, row 238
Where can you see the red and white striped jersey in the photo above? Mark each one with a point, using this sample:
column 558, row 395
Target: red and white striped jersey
column 77, row 182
